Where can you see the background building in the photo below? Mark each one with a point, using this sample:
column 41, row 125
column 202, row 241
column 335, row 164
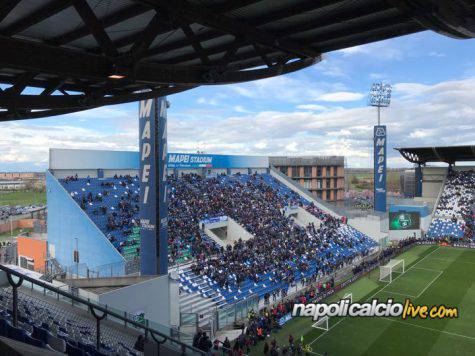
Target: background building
column 408, row 183
column 324, row 176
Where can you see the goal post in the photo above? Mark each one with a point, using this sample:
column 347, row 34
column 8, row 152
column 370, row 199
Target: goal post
column 321, row 323
column 392, row 268
column 348, row 296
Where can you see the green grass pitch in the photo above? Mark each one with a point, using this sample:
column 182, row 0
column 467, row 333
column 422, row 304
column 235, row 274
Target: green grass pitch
column 22, row 197
column 434, row 275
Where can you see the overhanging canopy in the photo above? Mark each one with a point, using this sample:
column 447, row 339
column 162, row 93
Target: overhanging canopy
column 422, row 155
column 76, row 54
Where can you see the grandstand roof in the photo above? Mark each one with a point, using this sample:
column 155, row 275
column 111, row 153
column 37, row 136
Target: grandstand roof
column 452, row 154
column 79, row 54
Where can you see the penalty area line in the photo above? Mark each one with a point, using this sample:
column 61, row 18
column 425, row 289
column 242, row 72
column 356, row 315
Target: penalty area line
column 378, row 291
column 431, row 329
column 431, row 282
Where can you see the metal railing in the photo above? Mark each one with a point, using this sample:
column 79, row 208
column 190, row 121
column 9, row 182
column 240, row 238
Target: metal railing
column 236, row 311
column 163, row 336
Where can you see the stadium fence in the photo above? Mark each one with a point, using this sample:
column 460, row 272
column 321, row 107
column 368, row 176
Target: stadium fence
column 164, row 336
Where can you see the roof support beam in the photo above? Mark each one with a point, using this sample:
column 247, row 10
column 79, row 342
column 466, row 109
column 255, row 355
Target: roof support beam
column 187, row 30
column 95, row 27
column 36, row 17
column 192, row 13
column 52, row 87
column 7, row 7
column 20, row 84
column 147, row 36
column 271, row 17
column 41, row 58
column 110, row 20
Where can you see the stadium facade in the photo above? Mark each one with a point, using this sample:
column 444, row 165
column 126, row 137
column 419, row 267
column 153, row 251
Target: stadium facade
column 71, row 228
column 324, row 176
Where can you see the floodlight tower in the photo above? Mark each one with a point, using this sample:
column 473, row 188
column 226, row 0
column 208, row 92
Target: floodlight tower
column 380, row 97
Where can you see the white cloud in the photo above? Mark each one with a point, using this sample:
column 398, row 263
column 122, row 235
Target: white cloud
column 207, row 101
column 331, row 68
column 313, row 107
column 285, row 89
column 239, row 108
column 412, row 120
column 292, row 147
column 340, row 96
column 383, row 50
column 377, row 76
column 419, row 133
column 261, row 145
column 437, row 54
column 419, row 115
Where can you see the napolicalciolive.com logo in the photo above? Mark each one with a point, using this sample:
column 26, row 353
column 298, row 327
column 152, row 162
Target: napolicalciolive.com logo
column 375, row 308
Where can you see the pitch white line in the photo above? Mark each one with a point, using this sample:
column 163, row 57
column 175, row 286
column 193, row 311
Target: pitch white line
column 403, row 294
column 427, row 286
column 427, row 269
column 451, row 261
column 427, row 328
column 380, row 290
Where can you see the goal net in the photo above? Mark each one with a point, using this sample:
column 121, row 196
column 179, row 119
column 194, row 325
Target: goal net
column 349, row 296
column 388, row 272
column 321, row 323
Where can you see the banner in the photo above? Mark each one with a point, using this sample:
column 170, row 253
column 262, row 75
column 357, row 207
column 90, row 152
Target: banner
column 153, row 201
column 194, row 160
column 285, row 319
column 380, row 138
column 214, row 220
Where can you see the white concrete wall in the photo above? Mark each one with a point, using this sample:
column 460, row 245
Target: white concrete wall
column 82, row 173
column 237, row 170
column 109, row 173
column 174, row 304
column 370, row 225
column 396, row 235
column 152, row 297
column 219, row 171
column 259, row 170
column 234, row 232
column 432, row 180
column 306, row 218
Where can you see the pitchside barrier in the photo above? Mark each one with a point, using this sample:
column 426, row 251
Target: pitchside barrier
column 470, row 245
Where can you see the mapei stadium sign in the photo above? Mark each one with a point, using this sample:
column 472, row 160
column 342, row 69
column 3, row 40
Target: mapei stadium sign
column 380, row 168
column 153, row 192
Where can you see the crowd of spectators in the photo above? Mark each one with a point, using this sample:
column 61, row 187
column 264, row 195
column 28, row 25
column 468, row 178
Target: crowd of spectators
column 122, row 216
column 456, row 206
column 263, row 323
column 279, row 245
column 386, row 254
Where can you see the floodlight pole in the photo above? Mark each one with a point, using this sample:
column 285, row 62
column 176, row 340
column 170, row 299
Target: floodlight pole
column 379, row 96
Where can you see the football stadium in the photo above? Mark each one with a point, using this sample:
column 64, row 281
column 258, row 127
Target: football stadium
column 168, row 252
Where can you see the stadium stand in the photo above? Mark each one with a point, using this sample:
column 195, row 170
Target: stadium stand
column 453, row 217
column 44, row 324
column 280, row 253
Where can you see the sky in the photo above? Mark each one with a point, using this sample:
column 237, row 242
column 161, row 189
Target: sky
column 321, row 110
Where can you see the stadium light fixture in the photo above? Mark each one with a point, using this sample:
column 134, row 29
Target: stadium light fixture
column 117, row 73
column 380, row 97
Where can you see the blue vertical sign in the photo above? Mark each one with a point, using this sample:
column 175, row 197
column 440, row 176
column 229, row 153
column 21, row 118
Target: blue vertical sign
column 380, row 139
column 418, row 181
column 153, row 191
